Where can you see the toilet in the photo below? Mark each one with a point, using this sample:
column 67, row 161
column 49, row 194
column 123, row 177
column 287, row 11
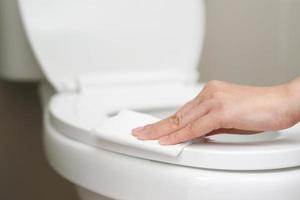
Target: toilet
column 99, row 57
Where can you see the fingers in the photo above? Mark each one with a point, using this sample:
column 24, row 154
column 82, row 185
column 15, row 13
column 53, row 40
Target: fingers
column 191, row 104
column 232, row 131
column 198, row 128
column 197, row 112
column 176, row 128
column 171, row 124
column 158, row 129
column 187, row 107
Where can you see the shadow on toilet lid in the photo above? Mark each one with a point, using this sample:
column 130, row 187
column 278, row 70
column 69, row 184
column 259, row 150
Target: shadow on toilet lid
column 74, row 116
column 232, row 139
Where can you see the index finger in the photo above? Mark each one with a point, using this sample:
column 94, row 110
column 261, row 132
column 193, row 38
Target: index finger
column 158, row 129
column 171, row 124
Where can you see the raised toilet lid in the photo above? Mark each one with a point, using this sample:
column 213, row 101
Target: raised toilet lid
column 76, row 115
column 114, row 40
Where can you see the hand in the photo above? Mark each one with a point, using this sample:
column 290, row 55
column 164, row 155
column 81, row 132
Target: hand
column 227, row 108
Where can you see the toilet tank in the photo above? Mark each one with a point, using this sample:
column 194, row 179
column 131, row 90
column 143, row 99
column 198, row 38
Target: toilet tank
column 17, row 61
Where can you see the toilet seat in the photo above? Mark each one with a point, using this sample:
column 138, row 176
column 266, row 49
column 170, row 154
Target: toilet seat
column 120, row 176
column 73, row 116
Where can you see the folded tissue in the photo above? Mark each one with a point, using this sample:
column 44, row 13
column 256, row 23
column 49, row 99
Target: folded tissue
column 117, row 129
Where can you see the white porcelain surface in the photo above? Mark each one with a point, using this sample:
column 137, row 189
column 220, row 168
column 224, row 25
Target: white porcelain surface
column 85, row 194
column 75, row 38
column 124, row 177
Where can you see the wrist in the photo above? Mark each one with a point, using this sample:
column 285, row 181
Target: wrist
column 293, row 93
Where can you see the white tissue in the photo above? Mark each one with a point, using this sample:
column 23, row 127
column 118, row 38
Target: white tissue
column 118, row 130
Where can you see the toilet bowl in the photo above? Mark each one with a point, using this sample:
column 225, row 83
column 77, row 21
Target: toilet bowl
column 100, row 57
column 250, row 167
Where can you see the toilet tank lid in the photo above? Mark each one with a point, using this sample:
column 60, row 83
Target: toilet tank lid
column 72, row 39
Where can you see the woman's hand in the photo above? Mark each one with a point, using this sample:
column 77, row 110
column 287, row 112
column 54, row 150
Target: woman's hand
column 228, row 108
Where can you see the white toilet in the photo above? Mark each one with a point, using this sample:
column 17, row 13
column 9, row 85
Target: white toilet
column 99, row 57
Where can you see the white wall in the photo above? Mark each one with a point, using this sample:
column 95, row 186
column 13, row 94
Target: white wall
column 252, row 41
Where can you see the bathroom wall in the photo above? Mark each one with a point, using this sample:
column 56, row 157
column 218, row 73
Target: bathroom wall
column 252, row 41
column 249, row 41
column 24, row 173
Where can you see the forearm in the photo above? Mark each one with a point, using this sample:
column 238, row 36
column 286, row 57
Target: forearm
column 294, row 98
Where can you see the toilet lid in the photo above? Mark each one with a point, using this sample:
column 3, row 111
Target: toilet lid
column 86, row 37
column 75, row 115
